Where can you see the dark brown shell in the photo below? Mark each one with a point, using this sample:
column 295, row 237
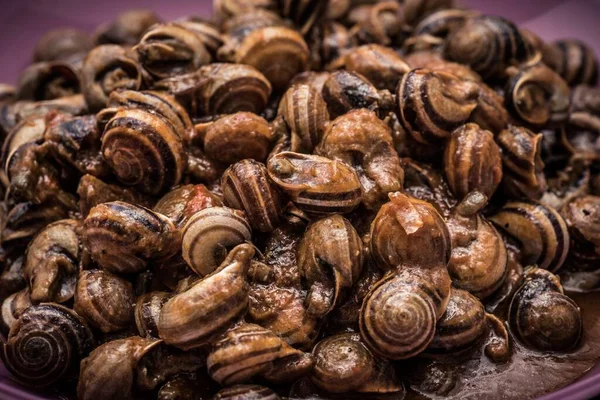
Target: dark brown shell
column 181, row 203
column 92, row 191
column 127, row 28
column 147, row 312
column 573, row 60
column 12, row 308
column 48, row 81
column 62, row 44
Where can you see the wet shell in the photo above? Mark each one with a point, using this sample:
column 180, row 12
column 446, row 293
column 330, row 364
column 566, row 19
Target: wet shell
column 147, row 312
column 573, row 60
column 46, row 344
column 48, row 81
column 432, row 104
column 246, row 186
column 543, row 317
column 540, row 231
column 381, row 65
column 246, row 392
column 209, row 234
column 12, row 308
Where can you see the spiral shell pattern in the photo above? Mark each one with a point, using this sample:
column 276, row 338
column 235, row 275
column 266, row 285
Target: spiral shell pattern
column 573, row 60
column 45, row 344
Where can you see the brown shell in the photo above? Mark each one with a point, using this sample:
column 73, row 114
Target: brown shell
column 241, row 392
column 382, row 66
column 92, row 191
column 581, row 216
column 48, row 81
column 490, row 113
column 62, row 44
column 574, row 60
column 127, row 28
column 184, row 201
column 12, row 308
column 147, row 312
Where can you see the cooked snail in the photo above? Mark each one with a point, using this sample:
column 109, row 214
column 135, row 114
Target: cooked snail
column 48, row 81
column 573, row 60
column 127, row 28
column 147, row 312
column 62, row 44
column 241, row 392
column 12, row 308
column 92, row 192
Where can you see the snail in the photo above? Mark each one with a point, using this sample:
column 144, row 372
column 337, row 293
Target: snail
column 472, row 162
column 417, row 10
column 46, row 344
column 379, row 24
column 241, row 392
column 541, row 316
column 12, row 308
column 489, row 45
column 305, row 113
column 490, row 113
column 123, row 238
column 12, row 278
column 181, row 203
column 409, row 232
column 540, row 231
column 362, row 140
column 522, row 162
column 104, row 300
column 208, row 32
column 238, row 136
column 105, row 69
column 581, row 216
column 147, row 312
column 443, row 22
column 127, row 28
column 227, row 9
column 330, row 259
column 195, row 316
column 247, row 186
column 344, row 91
column 329, row 41
column 573, row 60
column 433, row 61
column 26, row 219
column 537, row 95
column 316, row 184
column 62, row 44
column 93, row 191
column 171, row 49
column 432, row 104
column 48, row 81
column 248, row 350
column 52, row 261
column 209, row 234
column 219, row 89
column 304, row 14
column 124, row 367
column 18, row 111
column 398, row 316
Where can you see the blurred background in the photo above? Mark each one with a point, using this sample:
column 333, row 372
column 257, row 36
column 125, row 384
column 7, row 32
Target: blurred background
column 23, row 22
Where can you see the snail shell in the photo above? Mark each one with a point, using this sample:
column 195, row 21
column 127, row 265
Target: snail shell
column 362, row 140
column 92, row 191
column 52, row 261
column 248, row 350
column 488, row 45
column 48, row 81
column 330, row 260
column 171, row 49
column 127, row 28
column 461, row 326
column 305, row 113
column 192, row 318
column 181, row 203
column 435, row 62
column 540, row 231
column 316, row 184
column 522, row 162
column 490, row 113
column 573, row 60
column 105, row 69
column 144, row 150
column 537, row 95
column 208, row 235
column 29, row 131
column 12, row 308
column 472, row 162
column 208, row 32
column 62, row 44
column 147, row 312
column 409, row 232
column 246, row 392
column 123, row 237
column 479, row 258
column 432, row 104
column 542, row 316
column 25, row 220
column 328, row 42
column 238, row 136
column 398, row 315
column 246, row 186
column 104, row 300
column 441, row 23
column 46, row 344
column 381, row 65
column 417, row 10
column 380, row 23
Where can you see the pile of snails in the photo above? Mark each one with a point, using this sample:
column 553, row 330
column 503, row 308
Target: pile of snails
column 292, row 197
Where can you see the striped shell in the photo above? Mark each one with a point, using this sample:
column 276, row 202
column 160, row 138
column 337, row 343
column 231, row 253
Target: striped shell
column 541, row 316
column 398, row 315
column 441, row 23
column 329, row 41
column 330, row 260
column 536, row 95
column 479, row 259
column 123, row 238
column 194, row 317
column 573, row 60
column 209, row 234
column 246, row 392
column 490, row 114
column 48, row 81
column 488, row 45
column 381, row 65
column 360, row 139
column 305, row 113
column 46, row 344
column 12, row 308
column 147, row 312
column 539, row 230
column 144, row 150
column 249, row 351
column 181, row 203
column 461, row 326
column 522, row 162
column 52, row 261
column 409, row 232
column 246, row 186
column 432, row 104
column 472, row 162
column 315, row 184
